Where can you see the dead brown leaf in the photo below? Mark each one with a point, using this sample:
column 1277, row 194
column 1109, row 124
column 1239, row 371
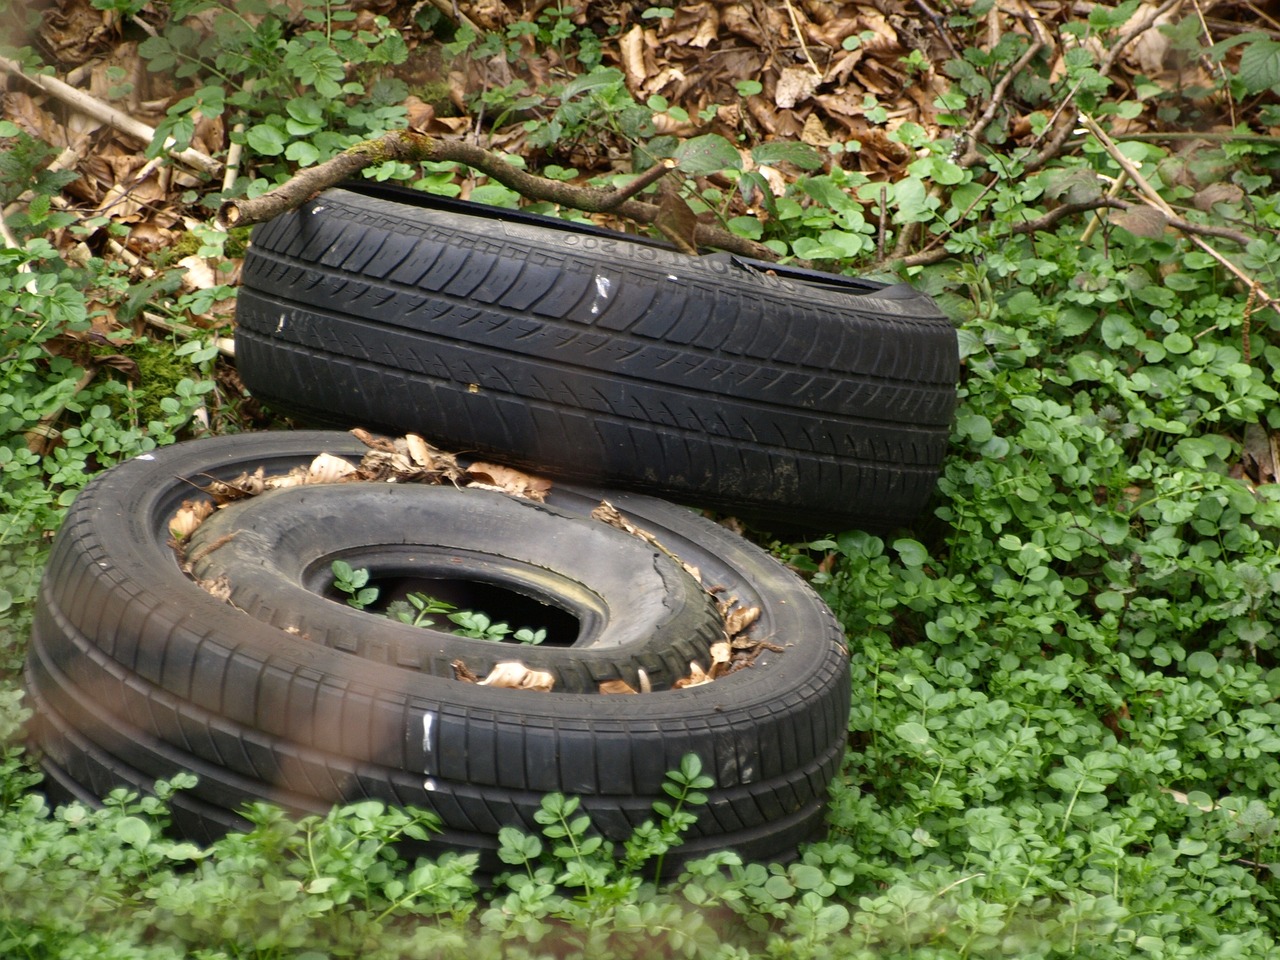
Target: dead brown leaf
column 631, row 49
column 1141, row 221
column 460, row 672
column 198, row 274
column 795, row 85
column 245, row 485
column 1217, row 193
column 696, row 678
column 513, row 675
column 43, row 438
column 721, row 658
column 677, row 221
column 374, row 442
column 1260, row 458
column 219, row 588
column 617, row 686
column 739, row 620
column 188, row 518
column 492, row 476
column 327, row 468
column 606, row 512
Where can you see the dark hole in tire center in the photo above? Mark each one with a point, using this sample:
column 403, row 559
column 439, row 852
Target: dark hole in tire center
column 495, row 601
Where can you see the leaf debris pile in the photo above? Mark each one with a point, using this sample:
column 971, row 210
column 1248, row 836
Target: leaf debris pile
column 407, row 459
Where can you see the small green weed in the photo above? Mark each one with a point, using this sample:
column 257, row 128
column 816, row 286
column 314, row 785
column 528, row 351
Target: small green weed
column 417, row 609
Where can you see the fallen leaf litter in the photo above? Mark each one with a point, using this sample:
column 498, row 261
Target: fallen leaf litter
column 410, row 459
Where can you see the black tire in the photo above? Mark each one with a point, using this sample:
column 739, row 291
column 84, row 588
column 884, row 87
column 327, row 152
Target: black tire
column 137, row 672
column 797, row 398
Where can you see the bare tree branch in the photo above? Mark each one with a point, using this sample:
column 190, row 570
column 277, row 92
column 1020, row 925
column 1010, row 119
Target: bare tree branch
column 1046, row 221
column 408, row 146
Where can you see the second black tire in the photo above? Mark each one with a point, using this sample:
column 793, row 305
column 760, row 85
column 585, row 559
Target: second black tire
column 796, row 398
column 138, row 672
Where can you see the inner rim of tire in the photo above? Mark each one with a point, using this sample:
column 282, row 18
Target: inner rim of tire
column 507, row 591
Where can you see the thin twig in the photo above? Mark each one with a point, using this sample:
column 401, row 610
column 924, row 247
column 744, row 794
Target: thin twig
column 969, row 137
column 998, row 94
column 1096, row 220
column 934, row 253
column 938, row 26
column 1221, row 68
column 804, row 48
column 1158, row 202
column 450, row 10
column 95, row 108
column 235, row 152
column 7, row 235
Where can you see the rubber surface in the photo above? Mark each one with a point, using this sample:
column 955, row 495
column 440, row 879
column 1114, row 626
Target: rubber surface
column 137, row 672
column 796, row 398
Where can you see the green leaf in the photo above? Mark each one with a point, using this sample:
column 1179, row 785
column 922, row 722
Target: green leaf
column 134, row 831
column 1109, row 600
column 1076, row 186
column 779, row 888
column 302, row 153
column 805, row 877
column 913, row 732
column 911, row 198
column 912, row 552
column 710, row 153
column 974, row 426
column 1202, row 663
column 265, row 140
column 597, row 79
column 797, row 154
column 1260, row 65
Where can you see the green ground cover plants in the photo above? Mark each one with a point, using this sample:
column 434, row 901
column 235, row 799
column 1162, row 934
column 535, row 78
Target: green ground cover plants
column 1066, row 711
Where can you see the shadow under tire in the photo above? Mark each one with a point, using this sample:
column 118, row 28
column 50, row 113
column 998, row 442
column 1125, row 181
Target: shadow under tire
column 138, row 672
column 800, row 399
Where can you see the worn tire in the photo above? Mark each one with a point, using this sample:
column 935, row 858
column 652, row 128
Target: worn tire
column 801, row 399
column 137, row 672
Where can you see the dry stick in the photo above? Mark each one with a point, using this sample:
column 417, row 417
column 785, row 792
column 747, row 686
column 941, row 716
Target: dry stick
column 236, row 150
column 938, row 26
column 408, row 146
column 976, row 129
column 7, row 236
column 93, row 107
column 450, row 10
column 804, row 48
column 1159, row 203
column 1096, row 220
column 1209, row 65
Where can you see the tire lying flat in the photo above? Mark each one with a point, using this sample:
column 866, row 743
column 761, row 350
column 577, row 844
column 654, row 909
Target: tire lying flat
column 137, row 672
column 800, row 399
